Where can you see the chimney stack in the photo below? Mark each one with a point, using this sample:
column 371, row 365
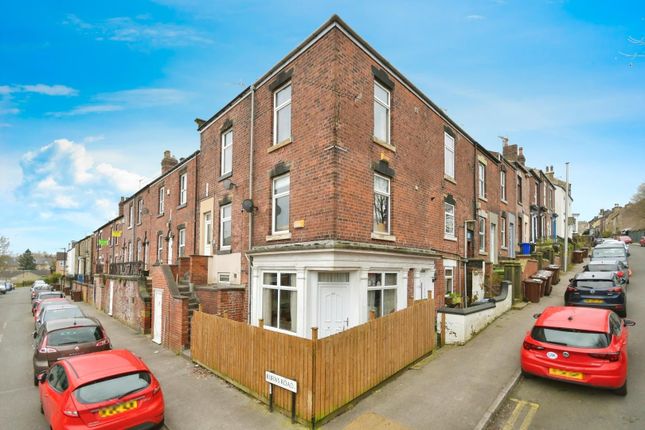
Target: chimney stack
column 509, row 151
column 520, row 157
column 168, row 162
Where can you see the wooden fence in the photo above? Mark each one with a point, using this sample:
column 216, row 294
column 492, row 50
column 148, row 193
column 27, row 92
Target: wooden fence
column 330, row 372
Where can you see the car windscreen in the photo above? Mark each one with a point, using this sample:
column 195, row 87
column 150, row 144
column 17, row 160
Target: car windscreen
column 56, row 314
column 595, row 285
column 43, row 296
column 113, row 387
column 608, row 253
column 72, row 335
column 595, row 267
column 569, row 337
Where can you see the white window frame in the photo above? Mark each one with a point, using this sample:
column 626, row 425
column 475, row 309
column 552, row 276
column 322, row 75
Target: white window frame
column 159, row 248
column 162, row 200
column 208, row 230
column 481, row 176
column 280, row 288
column 131, row 215
column 520, row 191
column 183, row 188
column 386, row 104
column 181, row 242
column 449, row 155
column 139, row 211
column 130, row 250
column 502, row 227
column 388, row 196
column 223, row 277
column 383, row 288
column 139, row 249
column 482, row 234
column 223, row 220
column 227, row 146
column 502, row 184
column 276, row 112
column 449, row 275
column 449, row 212
column 274, row 198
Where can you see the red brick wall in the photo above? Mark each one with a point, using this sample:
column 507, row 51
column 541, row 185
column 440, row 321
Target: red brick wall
column 174, row 317
column 229, row 302
column 199, row 269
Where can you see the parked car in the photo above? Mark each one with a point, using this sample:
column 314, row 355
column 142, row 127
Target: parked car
column 42, row 295
column 3, row 288
column 37, row 288
column 642, row 241
column 49, row 302
column 58, row 312
column 66, row 337
column 102, row 390
column 611, row 251
column 615, row 266
column 580, row 345
column 625, row 239
column 597, row 290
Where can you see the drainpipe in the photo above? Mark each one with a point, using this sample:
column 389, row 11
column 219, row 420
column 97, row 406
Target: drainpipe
column 466, row 257
column 249, row 259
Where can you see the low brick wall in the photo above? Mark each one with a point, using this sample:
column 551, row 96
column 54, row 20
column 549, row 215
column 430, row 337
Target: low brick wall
column 174, row 309
column 130, row 300
column 229, row 301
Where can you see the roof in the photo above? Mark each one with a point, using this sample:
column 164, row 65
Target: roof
column 336, row 22
column 70, row 322
column 98, row 365
column 570, row 317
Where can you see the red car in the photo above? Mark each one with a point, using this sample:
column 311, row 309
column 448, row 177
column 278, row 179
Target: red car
column 642, row 241
column 625, row 239
column 581, row 345
column 102, row 390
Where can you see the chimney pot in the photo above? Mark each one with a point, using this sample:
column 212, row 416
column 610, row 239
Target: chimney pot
column 168, row 162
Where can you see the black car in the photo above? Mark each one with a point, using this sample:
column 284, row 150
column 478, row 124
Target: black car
column 615, row 266
column 597, row 290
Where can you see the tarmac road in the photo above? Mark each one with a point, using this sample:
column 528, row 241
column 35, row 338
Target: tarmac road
column 19, row 404
column 543, row 404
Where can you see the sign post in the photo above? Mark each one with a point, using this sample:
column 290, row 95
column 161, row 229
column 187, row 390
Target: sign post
column 282, row 382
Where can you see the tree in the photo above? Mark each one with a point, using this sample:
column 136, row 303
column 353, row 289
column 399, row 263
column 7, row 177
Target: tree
column 640, row 194
column 26, row 261
column 4, row 253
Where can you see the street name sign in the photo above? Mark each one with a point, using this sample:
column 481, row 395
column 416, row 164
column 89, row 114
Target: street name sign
column 281, row 381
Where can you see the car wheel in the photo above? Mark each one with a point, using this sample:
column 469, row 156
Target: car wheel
column 623, row 313
column 35, row 379
column 42, row 411
column 526, row 375
column 622, row 391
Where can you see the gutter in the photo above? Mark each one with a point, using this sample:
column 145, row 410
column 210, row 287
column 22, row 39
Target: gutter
column 250, row 259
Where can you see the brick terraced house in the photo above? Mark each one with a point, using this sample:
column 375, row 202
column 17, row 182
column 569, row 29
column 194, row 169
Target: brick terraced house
column 330, row 192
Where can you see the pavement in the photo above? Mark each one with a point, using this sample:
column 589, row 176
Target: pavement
column 456, row 387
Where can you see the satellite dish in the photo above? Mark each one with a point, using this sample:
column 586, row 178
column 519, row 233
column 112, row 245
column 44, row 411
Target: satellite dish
column 247, row 205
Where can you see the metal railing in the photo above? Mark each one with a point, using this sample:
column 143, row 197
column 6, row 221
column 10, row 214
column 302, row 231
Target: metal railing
column 132, row 268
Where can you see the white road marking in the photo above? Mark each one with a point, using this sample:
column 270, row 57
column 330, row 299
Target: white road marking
column 1, row 337
column 4, row 326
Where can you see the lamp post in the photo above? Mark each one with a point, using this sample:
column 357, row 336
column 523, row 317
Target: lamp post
column 566, row 218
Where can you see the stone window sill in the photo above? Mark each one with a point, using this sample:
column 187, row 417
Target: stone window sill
column 225, row 176
column 383, row 144
column 279, row 145
column 451, row 238
column 279, row 236
column 383, row 236
column 450, row 179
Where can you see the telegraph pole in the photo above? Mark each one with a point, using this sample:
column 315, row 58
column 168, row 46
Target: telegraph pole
column 566, row 219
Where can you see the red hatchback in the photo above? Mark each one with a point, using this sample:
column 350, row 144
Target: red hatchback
column 580, row 345
column 102, row 390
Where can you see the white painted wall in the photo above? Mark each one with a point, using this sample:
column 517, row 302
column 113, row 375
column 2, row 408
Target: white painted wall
column 560, row 201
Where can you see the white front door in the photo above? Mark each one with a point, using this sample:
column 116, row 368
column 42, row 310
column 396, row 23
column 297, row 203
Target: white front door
column 333, row 313
column 511, row 240
column 170, row 250
column 156, row 315
column 208, row 233
column 111, row 298
column 425, row 287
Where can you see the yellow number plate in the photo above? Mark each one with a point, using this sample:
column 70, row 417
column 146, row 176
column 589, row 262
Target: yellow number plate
column 117, row 409
column 593, row 301
column 565, row 373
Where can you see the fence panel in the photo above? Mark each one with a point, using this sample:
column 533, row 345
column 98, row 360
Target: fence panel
column 242, row 353
column 350, row 363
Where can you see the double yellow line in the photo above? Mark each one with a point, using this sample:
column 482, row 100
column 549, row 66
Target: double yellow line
column 517, row 412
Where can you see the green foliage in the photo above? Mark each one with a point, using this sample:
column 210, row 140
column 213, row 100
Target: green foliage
column 53, row 279
column 26, row 261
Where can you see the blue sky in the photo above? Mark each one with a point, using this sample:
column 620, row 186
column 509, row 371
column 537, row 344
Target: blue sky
column 91, row 93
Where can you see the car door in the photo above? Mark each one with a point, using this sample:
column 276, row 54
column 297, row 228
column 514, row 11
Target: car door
column 53, row 392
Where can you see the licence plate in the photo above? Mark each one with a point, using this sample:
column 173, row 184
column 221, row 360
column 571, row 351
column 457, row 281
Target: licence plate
column 118, row 409
column 593, row 301
column 565, row 373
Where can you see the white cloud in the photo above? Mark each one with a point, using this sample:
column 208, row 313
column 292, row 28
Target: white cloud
column 475, row 17
column 9, row 111
column 65, row 202
column 49, row 90
column 137, row 98
column 5, row 89
column 140, row 30
column 125, row 181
